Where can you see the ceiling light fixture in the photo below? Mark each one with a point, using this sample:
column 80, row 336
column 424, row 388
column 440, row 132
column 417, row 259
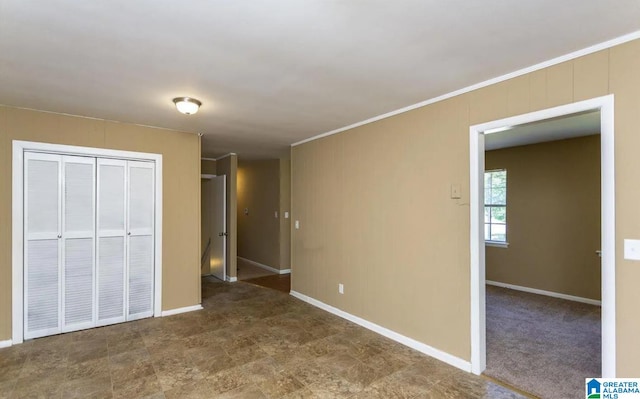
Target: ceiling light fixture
column 187, row 105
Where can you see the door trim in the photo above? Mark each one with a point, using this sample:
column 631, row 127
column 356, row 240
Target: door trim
column 17, row 191
column 477, row 249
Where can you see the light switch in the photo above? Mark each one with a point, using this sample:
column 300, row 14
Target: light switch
column 286, row 215
column 455, row 191
column 276, row 214
column 297, row 224
column 632, row 249
column 341, row 288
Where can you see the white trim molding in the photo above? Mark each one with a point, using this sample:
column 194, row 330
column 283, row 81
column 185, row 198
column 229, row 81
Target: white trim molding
column 402, row 339
column 265, row 267
column 17, row 234
column 496, row 244
column 545, row 293
column 231, row 279
column 605, row 105
column 6, row 344
column 185, row 309
column 554, row 61
column 224, row 156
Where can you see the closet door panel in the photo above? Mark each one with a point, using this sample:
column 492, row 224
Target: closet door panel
column 111, row 248
column 42, row 199
column 140, row 276
column 42, row 194
column 78, row 219
column 140, row 239
column 141, row 192
column 111, row 276
column 78, row 283
column 42, row 288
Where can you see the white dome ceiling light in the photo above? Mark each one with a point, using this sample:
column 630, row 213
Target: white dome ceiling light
column 187, row 105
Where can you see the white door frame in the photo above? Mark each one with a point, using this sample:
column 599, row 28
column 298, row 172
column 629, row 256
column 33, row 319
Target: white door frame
column 476, row 190
column 17, row 189
column 224, row 222
column 224, row 225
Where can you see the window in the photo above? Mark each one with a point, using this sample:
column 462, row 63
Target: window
column 495, row 206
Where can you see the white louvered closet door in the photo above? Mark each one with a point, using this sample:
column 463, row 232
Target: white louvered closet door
column 140, row 248
column 111, row 241
column 42, row 244
column 78, row 242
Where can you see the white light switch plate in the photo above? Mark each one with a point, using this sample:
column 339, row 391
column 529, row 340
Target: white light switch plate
column 297, row 224
column 632, row 249
column 286, row 215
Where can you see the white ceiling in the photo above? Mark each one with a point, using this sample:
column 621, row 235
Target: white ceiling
column 565, row 127
column 273, row 72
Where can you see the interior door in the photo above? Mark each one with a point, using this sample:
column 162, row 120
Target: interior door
column 42, row 244
column 111, row 241
column 78, row 242
column 140, row 248
column 218, row 234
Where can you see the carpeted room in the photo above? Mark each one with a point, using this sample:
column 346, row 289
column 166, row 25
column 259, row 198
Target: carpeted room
column 536, row 342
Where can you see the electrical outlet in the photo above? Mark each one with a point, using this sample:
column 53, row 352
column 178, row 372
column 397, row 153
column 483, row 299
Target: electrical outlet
column 246, row 211
column 341, row 288
column 286, row 215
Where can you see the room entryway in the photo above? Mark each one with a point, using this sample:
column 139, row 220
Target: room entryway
column 555, row 324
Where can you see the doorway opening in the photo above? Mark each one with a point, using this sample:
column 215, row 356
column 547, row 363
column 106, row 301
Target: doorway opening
column 603, row 108
column 214, row 236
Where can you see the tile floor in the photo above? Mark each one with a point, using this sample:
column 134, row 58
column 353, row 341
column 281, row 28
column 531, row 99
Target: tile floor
column 248, row 342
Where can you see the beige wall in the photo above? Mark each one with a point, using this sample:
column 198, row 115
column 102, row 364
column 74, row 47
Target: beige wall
column 376, row 214
column 181, row 192
column 553, row 217
column 259, row 193
column 228, row 166
column 264, row 187
column 285, row 206
column 208, row 167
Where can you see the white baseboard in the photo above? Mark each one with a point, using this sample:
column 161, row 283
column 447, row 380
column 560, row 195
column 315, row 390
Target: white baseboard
column 265, row 267
column 6, row 344
column 232, row 279
column 543, row 292
column 186, row 309
column 410, row 342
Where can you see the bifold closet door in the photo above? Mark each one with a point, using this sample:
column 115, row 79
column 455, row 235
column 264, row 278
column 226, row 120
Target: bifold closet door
column 111, row 241
column 42, row 249
column 78, row 242
column 140, row 246
column 125, row 240
column 59, row 243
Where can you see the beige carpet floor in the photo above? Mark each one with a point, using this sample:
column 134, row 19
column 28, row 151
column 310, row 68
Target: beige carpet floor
column 542, row 345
